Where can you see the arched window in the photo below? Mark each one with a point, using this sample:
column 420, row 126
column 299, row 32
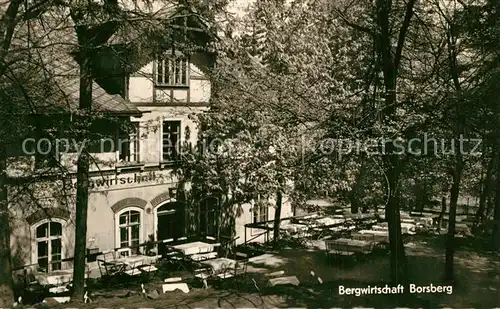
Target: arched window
column 48, row 238
column 129, row 225
column 168, row 208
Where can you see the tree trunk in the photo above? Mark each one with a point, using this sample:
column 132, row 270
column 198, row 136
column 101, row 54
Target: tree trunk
column 489, row 206
column 485, row 193
column 420, row 195
column 82, row 178
column 8, row 23
column 443, row 209
column 277, row 217
column 353, row 195
column 390, row 60
column 496, row 216
column 459, row 164
column 353, row 201
column 399, row 267
column 6, row 284
column 450, row 237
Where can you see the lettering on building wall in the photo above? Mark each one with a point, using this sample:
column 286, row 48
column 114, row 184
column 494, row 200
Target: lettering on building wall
column 136, row 178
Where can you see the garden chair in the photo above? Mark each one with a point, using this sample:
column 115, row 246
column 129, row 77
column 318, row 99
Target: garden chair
column 178, row 260
column 148, row 271
column 108, row 255
column 123, row 252
column 132, row 269
column 204, row 274
column 110, row 272
column 241, row 264
column 236, row 276
column 163, row 246
column 240, row 270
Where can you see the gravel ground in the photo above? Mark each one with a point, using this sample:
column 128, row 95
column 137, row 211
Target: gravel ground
column 477, row 285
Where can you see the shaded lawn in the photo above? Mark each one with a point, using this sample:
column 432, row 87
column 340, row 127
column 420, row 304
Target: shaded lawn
column 477, row 274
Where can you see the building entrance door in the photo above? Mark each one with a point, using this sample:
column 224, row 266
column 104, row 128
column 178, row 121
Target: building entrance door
column 170, row 221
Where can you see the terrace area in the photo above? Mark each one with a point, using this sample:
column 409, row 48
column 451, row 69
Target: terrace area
column 316, row 255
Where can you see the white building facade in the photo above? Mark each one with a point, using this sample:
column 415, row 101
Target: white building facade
column 134, row 192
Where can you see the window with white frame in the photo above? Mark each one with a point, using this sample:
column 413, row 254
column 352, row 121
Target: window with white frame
column 171, row 135
column 48, row 245
column 172, row 70
column 129, row 228
column 129, row 144
column 260, row 212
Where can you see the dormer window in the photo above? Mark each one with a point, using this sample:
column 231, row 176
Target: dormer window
column 172, row 71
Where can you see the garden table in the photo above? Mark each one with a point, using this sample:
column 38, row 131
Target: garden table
column 284, row 281
column 329, row 221
column 349, row 245
column 408, row 228
column 56, row 278
column 294, row 228
column 462, row 228
column 386, row 232
column 220, row 265
column 365, row 237
column 135, row 260
column 132, row 265
column 403, row 220
column 195, row 248
column 378, row 236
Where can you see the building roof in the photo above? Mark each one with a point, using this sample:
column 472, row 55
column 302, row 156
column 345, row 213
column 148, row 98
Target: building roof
column 67, row 78
column 46, row 47
column 42, row 53
column 145, row 38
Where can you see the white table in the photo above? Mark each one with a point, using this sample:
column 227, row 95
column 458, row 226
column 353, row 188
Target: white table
column 377, row 235
column 294, row 228
column 374, row 232
column 284, row 280
column 462, row 228
column 351, row 242
column 132, row 265
column 351, row 245
column 135, row 260
column 404, row 215
column 169, row 287
column 404, row 220
column 220, row 265
column 329, row 221
column 195, row 248
column 56, row 278
column 338, row 229
column 360, row 236
column 408, row 228
column 427, row 221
